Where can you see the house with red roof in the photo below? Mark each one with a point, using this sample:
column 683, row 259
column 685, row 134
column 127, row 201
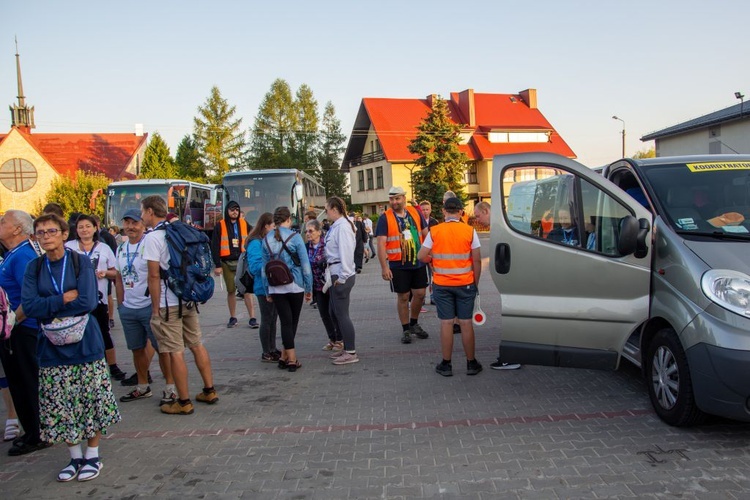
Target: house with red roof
column 377, row 156
column 30, row 162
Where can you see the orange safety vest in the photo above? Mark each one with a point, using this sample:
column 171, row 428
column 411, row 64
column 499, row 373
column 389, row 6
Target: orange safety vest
column 451, row 254
column 224, row 250
column 393, row 240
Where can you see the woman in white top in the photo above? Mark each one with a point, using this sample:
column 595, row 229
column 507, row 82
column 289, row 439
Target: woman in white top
column 340, row 246
column 103, row 261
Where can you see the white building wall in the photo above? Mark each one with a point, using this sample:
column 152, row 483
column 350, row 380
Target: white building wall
column 735, row 135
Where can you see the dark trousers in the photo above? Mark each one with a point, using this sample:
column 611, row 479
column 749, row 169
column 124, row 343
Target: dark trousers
column 289, row 306
column 324, row 303
column 340, row 295
column 267, row 330
column 101, row 314
column 359, row 254
column 18, row 355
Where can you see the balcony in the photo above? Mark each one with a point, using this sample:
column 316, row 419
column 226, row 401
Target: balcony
column 366, row 158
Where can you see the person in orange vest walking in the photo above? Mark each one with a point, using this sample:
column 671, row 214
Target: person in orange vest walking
column 226, row 246
column 400, row 232
column 455, row 252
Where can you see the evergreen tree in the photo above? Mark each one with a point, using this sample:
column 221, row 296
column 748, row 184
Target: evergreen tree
column 188, row 161
column 273, row 138
column 218, row 136
column 157, row 162
column 330, row 149
column 441, row 165
column 306, row 136
column 74, row 194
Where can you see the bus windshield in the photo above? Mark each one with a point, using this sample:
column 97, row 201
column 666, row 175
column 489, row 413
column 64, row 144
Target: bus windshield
column 258, row 192
column 123, row 198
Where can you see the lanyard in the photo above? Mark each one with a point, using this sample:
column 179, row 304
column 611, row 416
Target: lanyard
column 568, row 235
column 314, row 251
column 128, row 260
column 58, row 288
column 88, row 254
column 236, row 229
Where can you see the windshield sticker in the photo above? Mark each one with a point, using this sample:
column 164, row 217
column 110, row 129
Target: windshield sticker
column 685, row 222
column 688, row 227
column 711, row 166
column 734, row 229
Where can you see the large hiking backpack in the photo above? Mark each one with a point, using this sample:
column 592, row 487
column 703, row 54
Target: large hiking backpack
column 190, row 263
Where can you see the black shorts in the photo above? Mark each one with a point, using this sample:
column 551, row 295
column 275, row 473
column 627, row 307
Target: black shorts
column 405, row 280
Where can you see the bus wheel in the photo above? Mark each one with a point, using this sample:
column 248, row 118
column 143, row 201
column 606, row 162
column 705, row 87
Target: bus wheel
column 669, row 384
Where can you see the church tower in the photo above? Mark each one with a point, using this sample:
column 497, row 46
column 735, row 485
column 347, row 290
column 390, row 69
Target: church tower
column 22, row 116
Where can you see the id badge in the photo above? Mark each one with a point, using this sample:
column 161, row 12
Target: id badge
column 129, row 284
column 407, row 234
column 235, row 242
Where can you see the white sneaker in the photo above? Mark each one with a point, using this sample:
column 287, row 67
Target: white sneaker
column 167, row 399
column 346, row 358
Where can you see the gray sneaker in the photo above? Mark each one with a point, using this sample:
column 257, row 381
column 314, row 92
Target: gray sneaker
column 418, row 332
column 167, row 399
column 406, row 337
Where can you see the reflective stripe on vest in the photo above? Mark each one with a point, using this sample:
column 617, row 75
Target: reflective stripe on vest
column 393, row 240
column 451, row 254
column 224, row 250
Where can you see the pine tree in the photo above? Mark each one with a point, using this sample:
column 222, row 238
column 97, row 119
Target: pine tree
column 441, row 164
column 157, row 162
column 273, row 139
column 305, row 157
column 188, row 161
column 218, row 136
column 330, row 150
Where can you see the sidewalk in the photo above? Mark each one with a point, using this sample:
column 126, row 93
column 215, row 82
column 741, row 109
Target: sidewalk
column 390, row 427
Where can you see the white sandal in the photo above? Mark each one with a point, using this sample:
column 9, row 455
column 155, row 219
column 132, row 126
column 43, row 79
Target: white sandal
column 11, row 429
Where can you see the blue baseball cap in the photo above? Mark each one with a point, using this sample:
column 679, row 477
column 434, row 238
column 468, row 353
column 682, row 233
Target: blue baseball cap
column 132, row 213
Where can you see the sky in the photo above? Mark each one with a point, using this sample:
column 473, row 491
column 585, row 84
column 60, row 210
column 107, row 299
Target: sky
column 93, row 66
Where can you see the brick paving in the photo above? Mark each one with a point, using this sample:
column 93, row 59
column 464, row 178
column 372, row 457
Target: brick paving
column 389, row 427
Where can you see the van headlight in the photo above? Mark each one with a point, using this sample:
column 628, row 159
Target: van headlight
column 729, row 289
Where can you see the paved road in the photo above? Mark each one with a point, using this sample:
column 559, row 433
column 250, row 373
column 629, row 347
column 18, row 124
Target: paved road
column 390, row 427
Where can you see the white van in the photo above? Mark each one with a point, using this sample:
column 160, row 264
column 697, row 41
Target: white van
column 649, row 261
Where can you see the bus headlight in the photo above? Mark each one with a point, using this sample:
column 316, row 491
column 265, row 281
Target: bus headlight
column 729, row 289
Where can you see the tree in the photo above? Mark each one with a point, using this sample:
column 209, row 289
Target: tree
column 157, row 162
column 441, row 165
column 74, row 194
column 188, row 161
column 306, row 133
column 330, row 148
column 646, row 153
column 273, row 138
column 218, row 136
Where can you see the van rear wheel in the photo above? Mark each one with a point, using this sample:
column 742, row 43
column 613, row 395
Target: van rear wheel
column 669, row 383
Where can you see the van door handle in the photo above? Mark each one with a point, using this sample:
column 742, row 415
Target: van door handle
column 502, row 258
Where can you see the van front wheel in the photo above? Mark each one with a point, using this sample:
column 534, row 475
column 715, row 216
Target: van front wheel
column 669, row 384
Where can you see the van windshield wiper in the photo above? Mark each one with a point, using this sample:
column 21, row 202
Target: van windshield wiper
column 721, row 235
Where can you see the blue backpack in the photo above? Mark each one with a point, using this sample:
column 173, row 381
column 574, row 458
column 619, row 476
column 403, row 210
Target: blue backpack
column 190, row 263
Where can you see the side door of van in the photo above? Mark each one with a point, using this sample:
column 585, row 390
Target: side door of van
column 570, row 295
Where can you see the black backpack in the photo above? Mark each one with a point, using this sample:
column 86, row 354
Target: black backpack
column 277, row 272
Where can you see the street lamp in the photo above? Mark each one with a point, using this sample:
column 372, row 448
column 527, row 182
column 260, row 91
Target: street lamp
column 741, row 97
column 623, row 134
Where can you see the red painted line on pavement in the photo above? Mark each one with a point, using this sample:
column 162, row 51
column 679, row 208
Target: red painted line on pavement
column 305, row 429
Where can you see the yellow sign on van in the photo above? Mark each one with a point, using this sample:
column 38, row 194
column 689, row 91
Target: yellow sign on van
column 718, row 165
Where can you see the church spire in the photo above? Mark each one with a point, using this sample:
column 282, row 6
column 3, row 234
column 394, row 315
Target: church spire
column 22, row 116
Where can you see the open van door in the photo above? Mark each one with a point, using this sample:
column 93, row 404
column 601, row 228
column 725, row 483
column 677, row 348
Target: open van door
column 571, row 261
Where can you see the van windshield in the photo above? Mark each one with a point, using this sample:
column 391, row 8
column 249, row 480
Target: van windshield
column 709, row 198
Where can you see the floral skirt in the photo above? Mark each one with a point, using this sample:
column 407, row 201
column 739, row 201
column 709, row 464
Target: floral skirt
column 76, row 401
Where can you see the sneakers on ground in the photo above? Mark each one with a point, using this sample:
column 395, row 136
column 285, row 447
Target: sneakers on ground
column 456, row 328
column 328, row 346
column 90, row 469
column 406, row 337
column 473, row 367
column 500, row 365
column 70, row 471
column 444, row 368
column 418, row 332
column 116, row 373
column 337, row 354
column 269, row 357
column 209, row 397
column 254, row 323
column 175, row 408
column 232, row 323
column 167, row 399
column 338, row 346
column 346, row 359
column 136, row 394
column 133, row 380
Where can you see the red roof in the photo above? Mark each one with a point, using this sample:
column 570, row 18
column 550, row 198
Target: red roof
column 107, row 154
column 395, row 122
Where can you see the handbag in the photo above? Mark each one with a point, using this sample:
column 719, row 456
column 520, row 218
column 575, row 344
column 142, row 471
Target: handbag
column 478, row 318
column 63, row 331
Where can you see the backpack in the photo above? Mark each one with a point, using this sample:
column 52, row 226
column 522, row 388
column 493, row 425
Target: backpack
column 243, row 280
column 190, row 263
column 7, row 315
column 277, row 272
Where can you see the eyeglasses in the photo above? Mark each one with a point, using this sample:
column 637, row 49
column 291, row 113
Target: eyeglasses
column 49, row 232
column 309, row 230
column 233, row 209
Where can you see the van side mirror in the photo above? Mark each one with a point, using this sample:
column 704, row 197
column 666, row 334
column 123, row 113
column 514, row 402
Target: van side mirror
column 627, row 242
column 641, row 250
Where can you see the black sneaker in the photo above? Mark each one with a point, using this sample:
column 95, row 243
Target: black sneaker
column 406, row 337
column 232, row 323
column 456, row 328
column 473, row 367
column 136, row 394
column 133, row 380
column 418, row 332
column 500, row 365
column 116, row 373
column 444, row 369
column 254, row 324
